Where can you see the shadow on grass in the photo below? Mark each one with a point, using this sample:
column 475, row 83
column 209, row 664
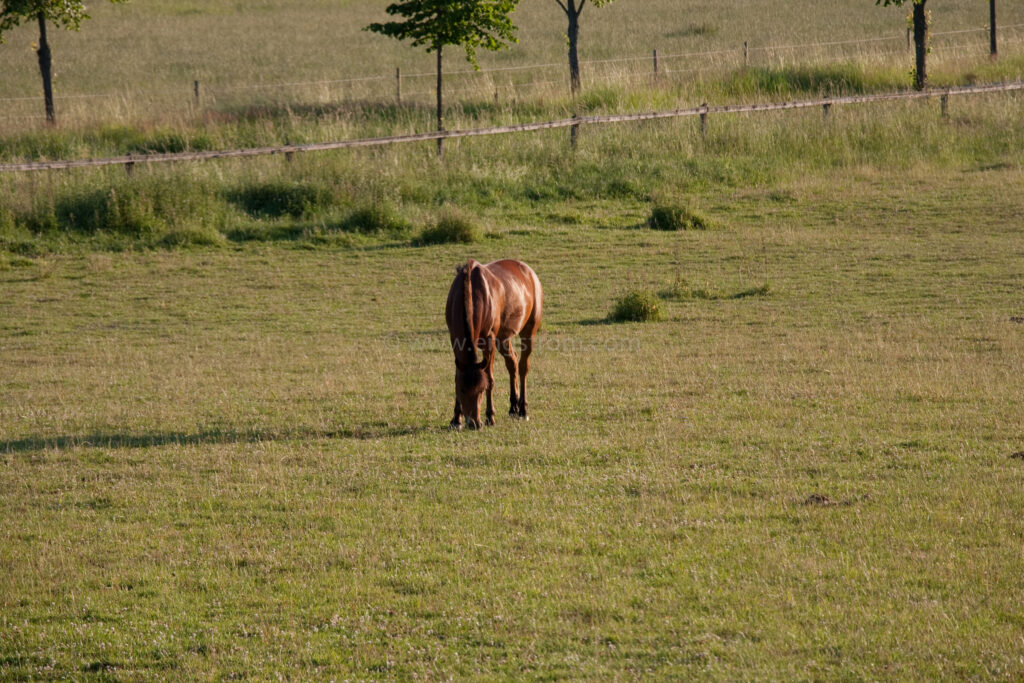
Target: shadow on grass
column 368, row 431
column 272, row 110
column 683, row 292
column 481, row 107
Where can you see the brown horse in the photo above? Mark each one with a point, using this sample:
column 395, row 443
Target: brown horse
column 487, row 307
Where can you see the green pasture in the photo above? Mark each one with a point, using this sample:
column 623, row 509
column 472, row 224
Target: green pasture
column 232, row 462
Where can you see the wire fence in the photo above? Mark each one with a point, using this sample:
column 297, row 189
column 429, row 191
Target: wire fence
column 528, row 78
column 703, row 111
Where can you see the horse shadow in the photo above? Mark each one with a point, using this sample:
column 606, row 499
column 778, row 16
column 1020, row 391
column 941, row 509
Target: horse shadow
column 115, row 441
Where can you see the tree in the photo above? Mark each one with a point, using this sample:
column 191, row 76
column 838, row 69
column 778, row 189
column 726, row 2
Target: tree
column 573, row 9
column 67, row 14
column 920, row 38
column 436, row 23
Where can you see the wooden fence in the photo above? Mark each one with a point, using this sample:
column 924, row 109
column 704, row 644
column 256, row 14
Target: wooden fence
column 703, row 111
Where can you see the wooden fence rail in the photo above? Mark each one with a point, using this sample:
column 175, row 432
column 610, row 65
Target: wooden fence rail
column 703, row 111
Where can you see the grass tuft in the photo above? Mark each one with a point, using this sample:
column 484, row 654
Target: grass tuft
column 677, row 217
column 283, row 198
column 451, row 228
column 376, row 218
column 639, row 305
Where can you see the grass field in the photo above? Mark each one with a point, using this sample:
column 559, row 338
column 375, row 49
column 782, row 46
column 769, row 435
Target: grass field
column 234, row 462
column 136, row 63
column 224, row 388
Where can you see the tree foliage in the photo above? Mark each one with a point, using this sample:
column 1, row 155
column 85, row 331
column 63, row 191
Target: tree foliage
column 435, row 23
column 64, row 13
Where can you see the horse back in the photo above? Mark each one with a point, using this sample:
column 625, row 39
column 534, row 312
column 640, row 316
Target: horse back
column 521, row 296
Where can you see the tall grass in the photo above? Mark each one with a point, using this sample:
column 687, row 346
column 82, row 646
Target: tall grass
column 525, row 174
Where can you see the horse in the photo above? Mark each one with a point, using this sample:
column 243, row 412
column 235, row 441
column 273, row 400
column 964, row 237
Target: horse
column 487, row 306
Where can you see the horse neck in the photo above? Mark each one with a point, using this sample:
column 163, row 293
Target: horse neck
column 465, row 333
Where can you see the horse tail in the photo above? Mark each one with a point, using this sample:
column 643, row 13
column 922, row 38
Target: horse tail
column 467, row 294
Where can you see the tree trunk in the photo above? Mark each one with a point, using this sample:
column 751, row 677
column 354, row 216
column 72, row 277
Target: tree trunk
column 574, row 38
column 992, row 29
column 440, row 109
column 920, row 45
column 46, row 69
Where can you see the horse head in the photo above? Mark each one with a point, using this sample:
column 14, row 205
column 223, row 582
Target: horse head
column 470, row 385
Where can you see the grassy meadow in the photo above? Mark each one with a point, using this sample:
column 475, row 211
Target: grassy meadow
column 234, row 463
column 225, row 387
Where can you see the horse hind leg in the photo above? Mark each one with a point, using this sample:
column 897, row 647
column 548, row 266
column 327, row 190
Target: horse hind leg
column 512, row 365
column 524, row 368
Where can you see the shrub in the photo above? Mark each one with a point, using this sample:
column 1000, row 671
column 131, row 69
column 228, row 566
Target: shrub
column 282, row 198
column 677, row 217
column 144, row 207
column 451, row 228
column 20, row 247
column 125, row 210
column 376, row 218
column 639, row 305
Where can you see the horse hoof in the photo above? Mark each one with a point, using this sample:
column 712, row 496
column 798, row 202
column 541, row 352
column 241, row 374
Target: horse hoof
column 454, row 427
column 490, row 421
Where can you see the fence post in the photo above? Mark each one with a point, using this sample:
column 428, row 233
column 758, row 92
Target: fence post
column 398, row 84
column 129, row 168
column 704, row 119
column 746, row 60
column 908, row 39
column 195, row 89
column 944, row 103
column 573, row 132
column 655, row 64
column 825, row 108
column 993, row 53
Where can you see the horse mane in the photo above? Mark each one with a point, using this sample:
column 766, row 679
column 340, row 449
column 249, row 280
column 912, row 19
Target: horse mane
column 468, row 294
column 467, row 297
